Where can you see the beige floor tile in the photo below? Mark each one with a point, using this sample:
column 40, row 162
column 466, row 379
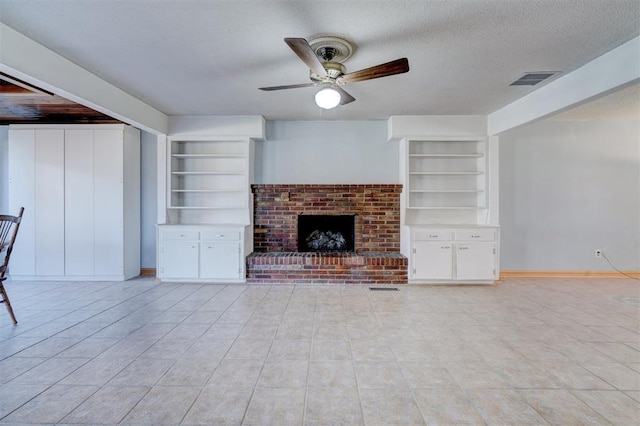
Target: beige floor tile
column 390, row 406
column 189, row 372
column 424, row 375
column 96, row 372
column 446, row 407
column 619, row 352
column 241, row 373
column 259, row 331
column 284, row 374
column 459, row 352
column 572, row 376
column 330, row 350
column 523, row 374
column 142, row 372
column 249, row 349
column 15, row 366
column 295, row 330
column 476, row 375
column 168, row 348
column 219, row 406
column 281, row 406
column 503, row 407
column 333, row 406
column 616, row 407
column 107, row 406
column 13, row 396
column 209, row 349
column 379, row 374
column 51, row 405
column 163, row 405
column 560, row 407
column 290, row 349
column 617, row 375
column 371, row 350
column 51, row 371
column 332, row 374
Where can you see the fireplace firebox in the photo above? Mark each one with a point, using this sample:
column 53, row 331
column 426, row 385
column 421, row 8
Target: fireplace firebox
column 326, row 233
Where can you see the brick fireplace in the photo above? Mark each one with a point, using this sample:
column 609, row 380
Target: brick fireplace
column 375, row 258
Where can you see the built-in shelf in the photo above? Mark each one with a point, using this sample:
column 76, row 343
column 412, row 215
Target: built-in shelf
column 209, row 180
column 445, row 181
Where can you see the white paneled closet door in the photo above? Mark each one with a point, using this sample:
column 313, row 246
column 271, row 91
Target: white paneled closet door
column 108, row 201
column 22, row 147
column 78, row 199
column 49, row 200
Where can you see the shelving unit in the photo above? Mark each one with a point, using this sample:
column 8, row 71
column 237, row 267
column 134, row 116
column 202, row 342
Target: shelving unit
column 209, row 180
column 445, row 181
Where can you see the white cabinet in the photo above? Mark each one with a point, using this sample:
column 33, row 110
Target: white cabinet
column 80, row 186
column 453, row 254
column 201, row 253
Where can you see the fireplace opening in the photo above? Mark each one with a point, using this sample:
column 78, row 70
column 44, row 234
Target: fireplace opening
column 326, row 233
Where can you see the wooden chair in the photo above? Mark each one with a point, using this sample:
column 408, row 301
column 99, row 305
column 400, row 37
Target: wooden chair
column 7, row 238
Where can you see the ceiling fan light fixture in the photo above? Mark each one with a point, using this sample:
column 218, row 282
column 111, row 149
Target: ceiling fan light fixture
column 328, row 98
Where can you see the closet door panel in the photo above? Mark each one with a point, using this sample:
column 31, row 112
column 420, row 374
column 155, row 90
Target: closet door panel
column 21, row 194
column 108, row 202
column 78, row 202
column 49, row 198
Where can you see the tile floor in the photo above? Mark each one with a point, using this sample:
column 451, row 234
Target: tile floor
column 563, row 351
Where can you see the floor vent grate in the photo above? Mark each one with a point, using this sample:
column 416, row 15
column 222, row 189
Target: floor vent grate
column 383, row 289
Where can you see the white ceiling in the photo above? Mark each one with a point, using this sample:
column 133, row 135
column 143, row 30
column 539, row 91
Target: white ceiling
column 204, row 57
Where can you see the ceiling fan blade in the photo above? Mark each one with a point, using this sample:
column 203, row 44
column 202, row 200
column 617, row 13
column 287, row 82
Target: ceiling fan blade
column 398, row 66
column 290, row 86
column 345, row 98
column 301, row 48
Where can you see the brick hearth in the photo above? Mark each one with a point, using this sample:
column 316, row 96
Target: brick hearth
column 377, row 259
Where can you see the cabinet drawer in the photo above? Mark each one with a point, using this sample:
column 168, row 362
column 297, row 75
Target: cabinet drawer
column 477, row 235
column 178, row 234
column 432, row 235
column 220, row 235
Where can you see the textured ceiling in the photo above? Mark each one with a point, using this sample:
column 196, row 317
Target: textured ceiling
column 209, row 57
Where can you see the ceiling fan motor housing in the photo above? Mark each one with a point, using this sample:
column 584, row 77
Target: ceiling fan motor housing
column 334, row 70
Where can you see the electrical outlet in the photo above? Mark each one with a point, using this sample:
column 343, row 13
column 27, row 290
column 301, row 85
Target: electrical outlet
column 598, row 253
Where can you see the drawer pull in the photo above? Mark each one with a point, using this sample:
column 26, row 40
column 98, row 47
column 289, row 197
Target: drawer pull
column 445, row 247
column 220, row 235
column 433, row 235
column 463, row 248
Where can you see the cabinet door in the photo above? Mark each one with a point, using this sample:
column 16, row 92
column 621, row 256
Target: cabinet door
column 49, row 196
column 108, row 202
column 220, row 259
column 475, row 261
column 78, row 202
column 179, row 259
column 432, row 260
column 21, row 194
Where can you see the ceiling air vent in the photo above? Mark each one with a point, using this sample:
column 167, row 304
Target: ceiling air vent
column 533, row 78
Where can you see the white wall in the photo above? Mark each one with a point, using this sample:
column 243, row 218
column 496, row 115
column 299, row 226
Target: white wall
column 329, row 152
column 568, row 188
column 148, row 199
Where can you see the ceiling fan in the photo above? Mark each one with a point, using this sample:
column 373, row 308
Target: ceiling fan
column 324, row 57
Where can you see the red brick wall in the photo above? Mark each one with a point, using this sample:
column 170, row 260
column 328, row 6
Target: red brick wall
column 376, row 207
